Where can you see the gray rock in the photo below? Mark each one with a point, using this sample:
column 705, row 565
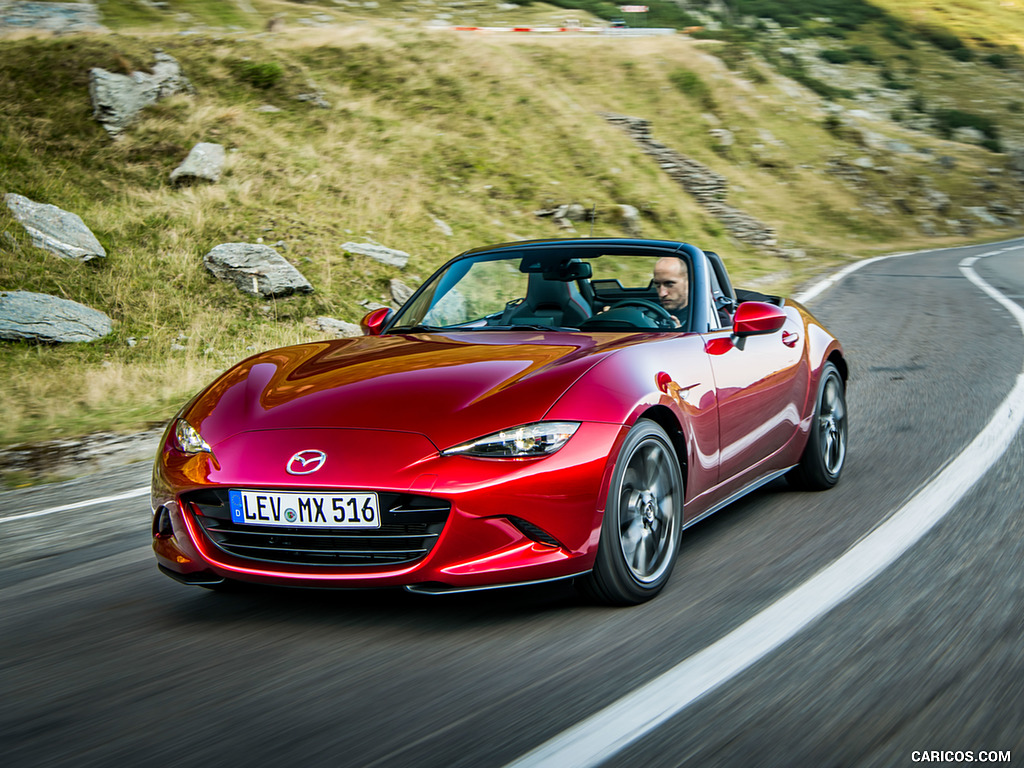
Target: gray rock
column 400, row 292
column 968, row 135
column 938, row 200
column 55, row 230
column 388, row 256
column 630, row 220
column 256, row 269
column 204, row 163
column 49, row 319
column 442, row 225
column 338, row 329
column 982, row 213
column 118, row 99
column 723, row 136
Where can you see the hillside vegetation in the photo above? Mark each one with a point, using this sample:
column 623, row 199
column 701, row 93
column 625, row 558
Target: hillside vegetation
column 427, row 126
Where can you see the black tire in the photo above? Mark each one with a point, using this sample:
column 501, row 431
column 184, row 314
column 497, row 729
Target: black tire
column 642, row 523
column 825, row 454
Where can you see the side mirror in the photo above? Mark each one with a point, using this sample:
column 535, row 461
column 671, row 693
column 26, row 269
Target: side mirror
column 754, row 318
column 373, row 323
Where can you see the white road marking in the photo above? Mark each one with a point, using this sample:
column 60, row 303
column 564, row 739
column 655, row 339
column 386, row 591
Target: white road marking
column 604, row 734
column 133, row 494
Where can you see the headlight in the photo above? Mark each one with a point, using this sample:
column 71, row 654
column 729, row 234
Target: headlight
column 540, row 439
column 188, row 440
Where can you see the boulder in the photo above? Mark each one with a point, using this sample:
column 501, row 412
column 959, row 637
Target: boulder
column 629, row 217
column 204, row 163
column 118, row 99
column 723, row 137
column 48, row 319
column 967, row 135
column 982, row 213
column 55, row 230
column 400, row 292
column 256, row 269
column 388, row 256
column 338, row 329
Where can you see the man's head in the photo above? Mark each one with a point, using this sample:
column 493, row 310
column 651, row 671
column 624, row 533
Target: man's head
column 672, row 282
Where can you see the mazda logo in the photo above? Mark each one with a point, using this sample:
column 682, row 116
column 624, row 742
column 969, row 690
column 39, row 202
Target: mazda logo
column 305, row 462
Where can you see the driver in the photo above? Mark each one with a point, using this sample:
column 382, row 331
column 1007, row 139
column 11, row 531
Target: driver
column 672, row 281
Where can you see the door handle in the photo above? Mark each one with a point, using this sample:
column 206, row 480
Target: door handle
column 790, row 338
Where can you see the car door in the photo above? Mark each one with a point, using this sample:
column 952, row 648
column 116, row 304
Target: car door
column 761, row 383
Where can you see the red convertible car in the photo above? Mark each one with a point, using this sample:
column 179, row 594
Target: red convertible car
column 556, row 409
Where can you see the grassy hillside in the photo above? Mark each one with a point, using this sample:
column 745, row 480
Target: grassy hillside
column 477, row 131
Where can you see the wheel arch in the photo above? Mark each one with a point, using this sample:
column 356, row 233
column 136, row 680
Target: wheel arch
column 667, row 420
column 836, row 358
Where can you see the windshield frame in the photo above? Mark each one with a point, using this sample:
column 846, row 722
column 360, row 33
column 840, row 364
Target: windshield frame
column 584, row 248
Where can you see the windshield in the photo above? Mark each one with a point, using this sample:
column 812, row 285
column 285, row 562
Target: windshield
column 572, row 289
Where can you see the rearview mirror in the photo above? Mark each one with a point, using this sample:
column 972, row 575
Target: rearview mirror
column 754, row 318
column 373, row 323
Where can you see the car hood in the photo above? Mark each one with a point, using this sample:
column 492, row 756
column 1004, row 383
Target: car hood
column 450, row 388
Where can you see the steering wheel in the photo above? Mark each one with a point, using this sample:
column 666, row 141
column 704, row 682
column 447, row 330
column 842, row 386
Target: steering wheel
column 660, row 316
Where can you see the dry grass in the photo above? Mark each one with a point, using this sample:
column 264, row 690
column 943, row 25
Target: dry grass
column 478, row 131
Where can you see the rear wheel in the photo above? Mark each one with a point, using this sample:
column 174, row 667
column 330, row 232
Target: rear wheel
column 825, row 453
column 642, row 522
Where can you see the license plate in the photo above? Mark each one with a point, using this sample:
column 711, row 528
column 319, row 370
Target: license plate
column 305, row 510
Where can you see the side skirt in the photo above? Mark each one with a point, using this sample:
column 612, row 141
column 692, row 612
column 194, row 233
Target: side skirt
column 740, row 494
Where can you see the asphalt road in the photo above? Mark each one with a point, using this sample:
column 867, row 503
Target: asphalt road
column 104, row 661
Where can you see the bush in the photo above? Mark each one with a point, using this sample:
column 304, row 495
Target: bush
column 940, row 38
column 997, row 60
column 948, row 120
column 691, row 85
column 863, row 53
column 260, row 75
column 834, row 56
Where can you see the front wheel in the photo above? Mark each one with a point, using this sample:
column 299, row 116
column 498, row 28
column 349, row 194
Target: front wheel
column 642, row 522
column 822, row 461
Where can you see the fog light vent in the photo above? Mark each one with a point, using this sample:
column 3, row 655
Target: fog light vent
column 162, row 528
column 532, row 531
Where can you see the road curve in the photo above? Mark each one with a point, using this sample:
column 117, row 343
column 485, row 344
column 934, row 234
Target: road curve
column 104, row 659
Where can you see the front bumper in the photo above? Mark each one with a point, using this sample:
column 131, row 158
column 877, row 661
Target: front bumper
column 503, row 522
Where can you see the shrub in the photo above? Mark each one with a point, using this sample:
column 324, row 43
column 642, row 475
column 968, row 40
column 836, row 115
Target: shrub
column 691, row 84
column 948, row 120
column 834, row 56
column 997, row 60
column 260, row 75
column 863, row 53
column 940, row 38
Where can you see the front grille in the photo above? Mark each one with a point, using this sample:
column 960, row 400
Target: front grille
column 409, row 529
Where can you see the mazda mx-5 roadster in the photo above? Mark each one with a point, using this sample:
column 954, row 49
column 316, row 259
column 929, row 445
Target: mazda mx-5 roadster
column 542, row 410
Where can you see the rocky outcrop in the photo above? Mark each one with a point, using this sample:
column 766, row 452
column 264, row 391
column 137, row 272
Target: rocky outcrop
column 707, row 187
column 55, row 230
column 256, row 269
column 204, row 163
column 50, row 17
column 388, row 256
column 48, row 319
column 338, row 329
column 118, row 99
